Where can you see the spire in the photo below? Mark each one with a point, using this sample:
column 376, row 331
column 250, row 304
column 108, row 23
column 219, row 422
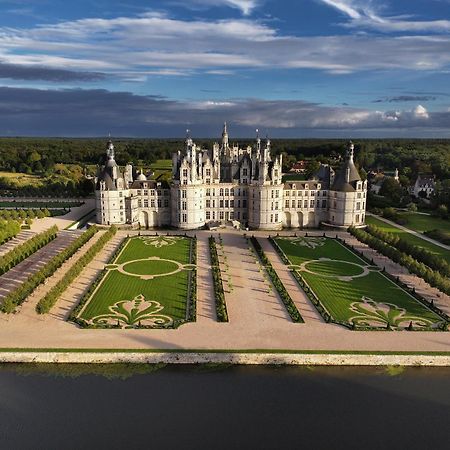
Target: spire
column 350, row 151
column 188, row 139
column 268, row 143
column 110, row 148
column 258, row 141
column 225, row 136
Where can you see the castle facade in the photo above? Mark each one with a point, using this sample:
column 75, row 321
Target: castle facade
column 229, row 184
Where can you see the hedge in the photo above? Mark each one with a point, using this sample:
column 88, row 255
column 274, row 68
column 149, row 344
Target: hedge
column 26, row 249
column 8, row 230
column 18, row 295
column 219, row 294
column 432, row 277
column 277, row 283
column 49, row 300
column 421, row 254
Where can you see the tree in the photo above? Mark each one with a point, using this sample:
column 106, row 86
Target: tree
column 392, row 190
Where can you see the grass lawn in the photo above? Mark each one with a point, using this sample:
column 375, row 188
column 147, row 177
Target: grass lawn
column 162, row 169
column 31, row 204
column 150, row 294
column 351, row 290
column 416, row 240
column 422, row 222
column 22, row 179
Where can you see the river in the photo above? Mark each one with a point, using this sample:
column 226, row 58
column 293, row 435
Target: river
column 220, row 407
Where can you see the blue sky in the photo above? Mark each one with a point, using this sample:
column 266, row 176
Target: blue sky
column 303, row 68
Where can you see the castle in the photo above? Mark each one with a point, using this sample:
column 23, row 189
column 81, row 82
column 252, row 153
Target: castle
column 230, row 184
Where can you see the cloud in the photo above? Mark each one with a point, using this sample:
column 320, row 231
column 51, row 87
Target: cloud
column 365, row 14
column 154, row 42
column 95, row 112
column 245, row 6
column 406, row 98
column 21, row 72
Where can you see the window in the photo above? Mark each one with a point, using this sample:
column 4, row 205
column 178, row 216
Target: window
column 271, row 218
column 293, row 203
column 166, row 203
column 232, row 191
column 208, row 203
column 286, row 204
column 185, row 173
column 152, row 202
column 183, row 194
column 239, row 204
column 305, row 204
column 159, row 202
column 318, row 203
column 358, row 206
column 145, row 203
column 208, row 192
column 208, row 172
column 231, row 215
column 299, row 203
column 231, row 203
column 244, row 172
column 214, row 215
column 288, row 193
column 277, row 193
column 139, row 192
column 311, row 204
column 184, row 206
column 221, row 216
column 272, row 193
column 357, row 218
column 208, row 215
column 145, row 192
column 184, row 217
column 159, row 192
column 299, row 193
column 221, row 192
column 276, row 205
column 120, row 194
column 244, row 203
column 221, row 204
column 226, row 203
column 140, row 203
column 324, row 203
column 208, row 181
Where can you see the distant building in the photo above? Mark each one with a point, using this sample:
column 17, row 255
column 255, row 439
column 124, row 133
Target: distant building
column 228, row 184
column 299, row 167
column 423, row 187
column 376, row 180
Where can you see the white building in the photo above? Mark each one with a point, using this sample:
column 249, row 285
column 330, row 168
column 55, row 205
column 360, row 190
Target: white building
column 423, row 187
column 228, row 183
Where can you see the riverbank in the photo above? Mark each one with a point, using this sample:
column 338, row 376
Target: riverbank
column 239, row 357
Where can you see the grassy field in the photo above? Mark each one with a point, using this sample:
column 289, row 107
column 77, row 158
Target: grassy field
column 147, row 289
column 30, row 204
column 162, row 170
column 351, row 290
column 416, row 240
column 22, row 179
column 422, row 222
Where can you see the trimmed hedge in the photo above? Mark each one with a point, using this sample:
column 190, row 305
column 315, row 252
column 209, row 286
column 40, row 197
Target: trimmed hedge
column 8, row 230
column 18, row 295
column 277, row 283
column 26, row 249
column 219, row 294
column 420, row 254
column 432, row 277
column 49, row 300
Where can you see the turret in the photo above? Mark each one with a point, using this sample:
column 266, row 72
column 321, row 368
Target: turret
column 225, row 142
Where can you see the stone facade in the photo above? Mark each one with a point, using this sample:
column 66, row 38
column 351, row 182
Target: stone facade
column 230, row 184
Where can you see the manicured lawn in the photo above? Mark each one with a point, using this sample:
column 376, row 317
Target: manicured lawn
column 416, row 240
column 162, row 169
column 371, row 299
column 127, row 280
column 421, row 222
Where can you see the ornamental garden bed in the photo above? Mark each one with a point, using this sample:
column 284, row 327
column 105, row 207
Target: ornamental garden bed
column 149, row 283
column 351, row 291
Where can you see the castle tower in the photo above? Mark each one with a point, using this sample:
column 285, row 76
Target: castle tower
column 347, row 196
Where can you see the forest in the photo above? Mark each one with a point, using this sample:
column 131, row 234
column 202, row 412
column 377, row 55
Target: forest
column 62, row 163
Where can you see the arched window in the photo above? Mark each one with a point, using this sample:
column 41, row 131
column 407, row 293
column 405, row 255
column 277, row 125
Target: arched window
column 227, row 192
column 221, row 192
column 231, row 191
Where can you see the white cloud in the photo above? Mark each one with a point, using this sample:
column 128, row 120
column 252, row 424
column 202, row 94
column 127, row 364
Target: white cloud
column 154, row 42
column 365, row 14
column 245, row 6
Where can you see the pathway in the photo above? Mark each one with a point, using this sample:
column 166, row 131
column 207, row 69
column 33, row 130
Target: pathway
column 21, row 237
column 19, row 273
column 304, row 305
column 28, row 308
column 408, row 230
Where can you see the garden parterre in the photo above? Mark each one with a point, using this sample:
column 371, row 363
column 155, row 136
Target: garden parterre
column 353, row 291
column 147, row 284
